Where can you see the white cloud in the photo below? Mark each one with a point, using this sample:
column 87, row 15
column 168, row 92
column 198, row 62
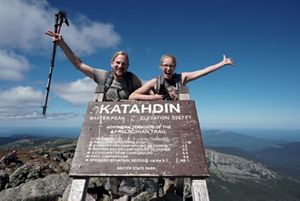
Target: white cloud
column 63, row 116
column 37, row 115
column 79, row 92
column 23, row 23
column 85, row 36
column 21, row 96
column 23, row 102
column 21, row 115
column 19, row 102
column 12, row 66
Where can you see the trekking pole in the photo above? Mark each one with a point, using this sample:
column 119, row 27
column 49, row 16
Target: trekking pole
column 60, row 18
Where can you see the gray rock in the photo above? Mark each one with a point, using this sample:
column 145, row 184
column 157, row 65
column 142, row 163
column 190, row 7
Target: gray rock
column 43, row 189
column 56, row 155
column 61, row 153
column 148, row 184
column 4, row 179
column 123, row 198
column 65, row 166
column 34, row 173
column 127, row 187
column 95, row 182
column 23, row 174
column 67, row 192
column 67, row 155
column 18, row 176
column 144, row 196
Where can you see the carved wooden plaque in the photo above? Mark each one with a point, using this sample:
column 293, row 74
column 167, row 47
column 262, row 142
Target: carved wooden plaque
column 145, row 138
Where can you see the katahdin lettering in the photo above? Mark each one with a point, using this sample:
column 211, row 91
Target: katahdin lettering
column 137, row 108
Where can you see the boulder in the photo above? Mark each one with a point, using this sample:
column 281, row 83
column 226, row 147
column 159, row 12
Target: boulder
column 4, row 179
column 67, row 192
column 23, row 174
column 43, row 189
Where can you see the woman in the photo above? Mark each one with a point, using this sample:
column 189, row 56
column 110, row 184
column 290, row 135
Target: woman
column 166, row 86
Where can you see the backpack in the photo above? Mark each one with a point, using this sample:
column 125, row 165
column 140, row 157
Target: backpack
column 162, row 85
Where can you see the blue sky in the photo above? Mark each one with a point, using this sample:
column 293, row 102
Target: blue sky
column 261, row 91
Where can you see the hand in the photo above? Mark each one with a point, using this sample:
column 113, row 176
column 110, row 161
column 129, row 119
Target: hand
column 55, row 36
column 158, row 97
column 227, row 60
column 173, row 95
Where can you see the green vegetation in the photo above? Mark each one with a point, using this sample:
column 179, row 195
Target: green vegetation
column 252, row 190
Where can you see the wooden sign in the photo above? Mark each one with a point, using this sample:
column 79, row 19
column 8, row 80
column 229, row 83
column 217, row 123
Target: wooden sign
column 146, row 138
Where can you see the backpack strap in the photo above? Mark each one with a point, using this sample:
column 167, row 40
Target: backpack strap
column 129, row 81
column 109, row 77
column 177, row 80
column 161, row 88
column 160, row 85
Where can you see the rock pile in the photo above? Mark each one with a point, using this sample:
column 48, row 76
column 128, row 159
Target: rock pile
column 43, row 175
column 39, row 174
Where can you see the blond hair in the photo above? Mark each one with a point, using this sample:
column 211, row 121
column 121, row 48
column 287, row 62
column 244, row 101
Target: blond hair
column 120, row 53
column 168, row 56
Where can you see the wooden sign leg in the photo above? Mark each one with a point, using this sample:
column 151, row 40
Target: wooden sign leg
column 78, row 189
column 199, row 190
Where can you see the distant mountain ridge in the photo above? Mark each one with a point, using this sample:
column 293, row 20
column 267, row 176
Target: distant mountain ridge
column 222, row 138
column 281, row 156
column 237, row 167
column 14, row 138
column 286, row 157
column 235, row 151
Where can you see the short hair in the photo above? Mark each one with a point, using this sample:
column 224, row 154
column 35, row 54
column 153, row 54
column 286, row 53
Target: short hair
column 120, row 53
column 166, row 56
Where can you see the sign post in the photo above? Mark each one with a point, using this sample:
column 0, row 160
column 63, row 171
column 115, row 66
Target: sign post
column 140, row 139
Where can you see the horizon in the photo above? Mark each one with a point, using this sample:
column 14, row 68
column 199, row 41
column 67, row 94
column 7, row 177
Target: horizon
column 262, row 37
column 289, row 135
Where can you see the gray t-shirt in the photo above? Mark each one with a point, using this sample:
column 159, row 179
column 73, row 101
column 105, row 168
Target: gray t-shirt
column 119, row 89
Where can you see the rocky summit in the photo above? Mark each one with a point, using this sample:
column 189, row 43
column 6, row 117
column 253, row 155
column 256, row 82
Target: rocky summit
column 231, row 167
column 39, row 171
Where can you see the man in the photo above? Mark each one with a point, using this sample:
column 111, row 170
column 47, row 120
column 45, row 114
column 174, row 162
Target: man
column 119, row 83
